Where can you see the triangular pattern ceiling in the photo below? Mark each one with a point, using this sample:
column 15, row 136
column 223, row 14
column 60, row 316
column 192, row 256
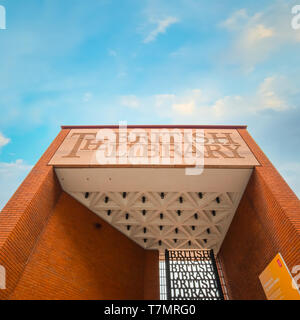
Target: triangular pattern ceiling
column 160, row 220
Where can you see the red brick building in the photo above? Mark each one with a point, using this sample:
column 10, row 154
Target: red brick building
column 64, row 233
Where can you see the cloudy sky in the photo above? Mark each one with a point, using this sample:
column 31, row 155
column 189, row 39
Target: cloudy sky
column 147, row 62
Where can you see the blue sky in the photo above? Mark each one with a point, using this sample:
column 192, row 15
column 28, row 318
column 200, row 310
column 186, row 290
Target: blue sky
column 147, row 62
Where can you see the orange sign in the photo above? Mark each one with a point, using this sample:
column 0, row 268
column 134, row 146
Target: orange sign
column 277, row 281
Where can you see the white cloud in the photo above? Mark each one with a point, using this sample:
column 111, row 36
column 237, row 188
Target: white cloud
column 257, row 36
column 130, row 101
column 161, row 99
column 259, row 32
column 195, row 105
column 11, row 176
column 235, row 19
column 229, row 105
column 181, row 104
column 186, row 108
column 161, row 27
column 3, row 140
column 271, row 94
column 251, row 27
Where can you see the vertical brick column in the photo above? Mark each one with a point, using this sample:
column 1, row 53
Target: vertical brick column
column 266, row 222
column 25, row 215
column 151, row 275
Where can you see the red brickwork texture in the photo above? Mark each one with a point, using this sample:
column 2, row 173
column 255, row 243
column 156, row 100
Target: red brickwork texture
column 59, row 252
column 25, row 215
column 266, row 222
column 80, row 256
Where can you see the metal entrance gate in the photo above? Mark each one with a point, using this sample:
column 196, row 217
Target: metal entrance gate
column 192, row 275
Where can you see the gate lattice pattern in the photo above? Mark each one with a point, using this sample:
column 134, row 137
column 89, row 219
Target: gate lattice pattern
column 192, row 275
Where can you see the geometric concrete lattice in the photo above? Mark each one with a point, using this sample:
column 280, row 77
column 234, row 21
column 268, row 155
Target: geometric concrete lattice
column 158, row 203
column 161, row 208
column 160, row 220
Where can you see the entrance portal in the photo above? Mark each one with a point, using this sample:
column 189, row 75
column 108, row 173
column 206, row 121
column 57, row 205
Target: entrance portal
column 192, row 275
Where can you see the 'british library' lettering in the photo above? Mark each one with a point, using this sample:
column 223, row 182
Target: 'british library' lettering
column 154, row 147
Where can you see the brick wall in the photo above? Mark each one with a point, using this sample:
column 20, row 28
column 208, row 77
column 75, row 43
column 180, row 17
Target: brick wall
column 266, row 222
column 25, row 215
column 151, row 275
column 51, row 248
column 80, row 256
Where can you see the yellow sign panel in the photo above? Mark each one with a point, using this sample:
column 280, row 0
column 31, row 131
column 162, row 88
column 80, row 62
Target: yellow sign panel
column 277, row 281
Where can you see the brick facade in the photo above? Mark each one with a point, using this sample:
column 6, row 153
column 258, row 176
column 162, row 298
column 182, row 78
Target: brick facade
column 80, row 256
column 25, row 215
column 54, row 248
column 48, row 254
column 266, row 222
